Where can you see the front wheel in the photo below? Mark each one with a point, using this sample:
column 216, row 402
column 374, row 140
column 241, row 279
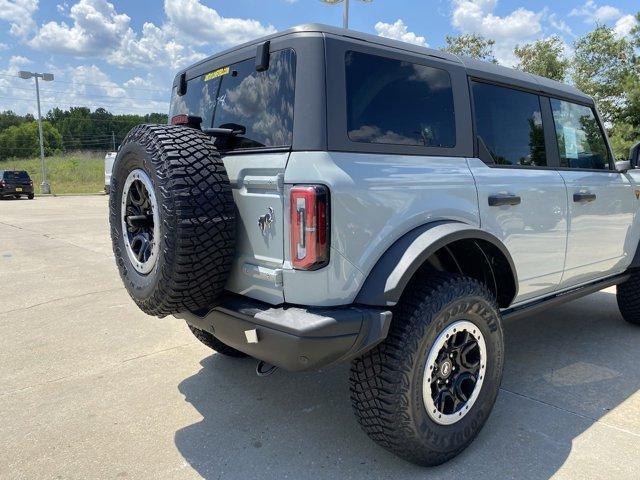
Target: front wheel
column 426, row 391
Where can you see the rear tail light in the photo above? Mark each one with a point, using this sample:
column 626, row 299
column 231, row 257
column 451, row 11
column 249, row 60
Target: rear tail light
column 31, row 183
column 309, row 226
column 186, row 120
column 1, row 183
column 179, row 120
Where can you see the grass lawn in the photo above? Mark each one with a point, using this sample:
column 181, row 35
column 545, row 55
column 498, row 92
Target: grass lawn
column 79, row 172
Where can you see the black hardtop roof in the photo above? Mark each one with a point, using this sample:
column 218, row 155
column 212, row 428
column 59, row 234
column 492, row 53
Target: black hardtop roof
column 475, row 68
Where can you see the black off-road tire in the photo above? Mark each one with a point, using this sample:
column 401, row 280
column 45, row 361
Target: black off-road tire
column 197, row 218
column 386, row 382
column 30, row 196
column 213, row 343
column 628, row 297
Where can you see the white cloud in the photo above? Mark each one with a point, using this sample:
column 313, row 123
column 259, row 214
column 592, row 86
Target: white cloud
column 19, row 14
column 96, row 28
column 519, row 26
column 155, row 47
column 593, row 13
column 560, row 25
column 204, row 24
column 624, row 25
column 399, row 31
column 4, row 46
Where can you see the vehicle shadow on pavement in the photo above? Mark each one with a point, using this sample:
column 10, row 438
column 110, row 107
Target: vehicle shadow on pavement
column 565, row 370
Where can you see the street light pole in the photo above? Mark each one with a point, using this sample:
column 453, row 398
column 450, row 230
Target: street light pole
column 345, row 15
column 345, row 9
column 47, row 77
column 44, row 186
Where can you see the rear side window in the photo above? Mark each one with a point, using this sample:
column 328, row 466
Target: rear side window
column 395, row 102
column 509, row 123
column 238, row 95
column 580, row 140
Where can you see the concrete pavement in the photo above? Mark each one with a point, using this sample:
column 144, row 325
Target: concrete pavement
column 90, row 387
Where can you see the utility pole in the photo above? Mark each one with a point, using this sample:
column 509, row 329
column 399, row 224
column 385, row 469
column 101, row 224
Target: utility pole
column 47, row 77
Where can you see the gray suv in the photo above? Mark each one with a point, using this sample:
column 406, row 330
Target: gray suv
column 325, row 196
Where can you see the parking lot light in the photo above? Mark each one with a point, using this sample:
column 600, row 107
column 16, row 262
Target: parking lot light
column 47, row 77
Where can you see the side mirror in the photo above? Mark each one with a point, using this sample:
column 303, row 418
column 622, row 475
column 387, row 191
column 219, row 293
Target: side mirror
column 622, row 166
column 634, row 155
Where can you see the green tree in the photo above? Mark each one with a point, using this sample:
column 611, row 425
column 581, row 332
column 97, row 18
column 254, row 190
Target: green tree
column 543, row 57
column 22, row 141
column 603, row 64
column 471, row 45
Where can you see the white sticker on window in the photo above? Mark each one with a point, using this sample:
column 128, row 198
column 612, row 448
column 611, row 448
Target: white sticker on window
column 570, row 142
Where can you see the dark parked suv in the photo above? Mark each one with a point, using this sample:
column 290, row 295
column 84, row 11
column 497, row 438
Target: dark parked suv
column 15, row 183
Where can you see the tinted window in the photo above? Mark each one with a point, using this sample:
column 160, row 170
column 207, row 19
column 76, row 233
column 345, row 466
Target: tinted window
column 580, row 139
column 395, row 102
column 509, row 123
column 261, row 102
column 16, row 175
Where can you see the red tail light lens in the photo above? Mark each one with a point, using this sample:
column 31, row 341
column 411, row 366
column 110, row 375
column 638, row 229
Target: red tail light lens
column 1, row 183
column 179, row 120
column 309, row 226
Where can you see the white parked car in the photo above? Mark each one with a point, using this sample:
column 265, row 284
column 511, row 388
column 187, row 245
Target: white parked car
column 108, row 167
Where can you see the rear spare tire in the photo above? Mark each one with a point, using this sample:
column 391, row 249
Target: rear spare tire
column 172, row 219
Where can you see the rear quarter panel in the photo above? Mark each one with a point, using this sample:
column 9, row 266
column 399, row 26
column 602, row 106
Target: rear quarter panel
column 375, row 199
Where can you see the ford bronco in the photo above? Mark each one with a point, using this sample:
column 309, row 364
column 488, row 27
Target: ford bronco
column 325, row 196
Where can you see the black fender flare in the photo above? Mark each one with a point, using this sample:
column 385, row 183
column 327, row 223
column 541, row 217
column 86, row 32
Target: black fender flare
column 395, row 268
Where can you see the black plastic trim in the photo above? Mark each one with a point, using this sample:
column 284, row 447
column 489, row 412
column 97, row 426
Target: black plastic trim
column 293, row 337
column 562, row 297
column 393, row 271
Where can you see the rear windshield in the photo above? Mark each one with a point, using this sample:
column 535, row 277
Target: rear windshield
column 238, row 95
column 16, row 175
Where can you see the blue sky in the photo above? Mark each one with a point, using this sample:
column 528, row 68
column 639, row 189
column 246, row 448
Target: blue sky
column 122, row 55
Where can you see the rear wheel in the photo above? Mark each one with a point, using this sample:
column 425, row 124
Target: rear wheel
column 213, row 343
column 628, row 297
column 427, row 390
column 30, row 196
column 172, row 219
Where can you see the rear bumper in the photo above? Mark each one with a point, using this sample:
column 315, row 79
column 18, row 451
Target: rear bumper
column 11, row 190
column 292, row 337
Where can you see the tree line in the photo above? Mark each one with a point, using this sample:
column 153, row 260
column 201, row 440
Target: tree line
column 77, row 128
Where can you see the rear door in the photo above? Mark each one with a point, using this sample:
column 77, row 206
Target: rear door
column 236, row 95
column 601, row 200
column 522, row 200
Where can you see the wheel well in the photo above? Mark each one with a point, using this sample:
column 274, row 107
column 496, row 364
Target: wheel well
column 477, row 259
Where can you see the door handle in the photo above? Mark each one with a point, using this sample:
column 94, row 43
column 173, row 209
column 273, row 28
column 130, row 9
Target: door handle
column 584, row 197
column 500, row 200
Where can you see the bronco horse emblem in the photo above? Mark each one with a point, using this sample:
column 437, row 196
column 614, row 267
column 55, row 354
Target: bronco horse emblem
column 265, row 221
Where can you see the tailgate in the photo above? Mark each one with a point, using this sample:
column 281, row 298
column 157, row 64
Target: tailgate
column 257, row 181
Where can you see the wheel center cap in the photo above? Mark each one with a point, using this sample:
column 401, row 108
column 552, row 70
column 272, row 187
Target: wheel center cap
column 445, row 369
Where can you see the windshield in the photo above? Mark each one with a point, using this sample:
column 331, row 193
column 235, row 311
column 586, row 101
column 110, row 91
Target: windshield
column 237, row 95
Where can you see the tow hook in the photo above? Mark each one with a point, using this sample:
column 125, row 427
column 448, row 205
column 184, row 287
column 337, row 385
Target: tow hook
column 264, row 369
